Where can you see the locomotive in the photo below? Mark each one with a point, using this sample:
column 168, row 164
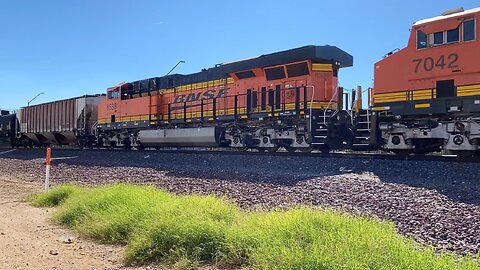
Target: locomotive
column 427, row 95
column 285, row 99
column 426, row 98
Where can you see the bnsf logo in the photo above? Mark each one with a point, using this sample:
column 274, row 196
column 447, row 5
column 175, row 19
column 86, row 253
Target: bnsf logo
column 200, row 95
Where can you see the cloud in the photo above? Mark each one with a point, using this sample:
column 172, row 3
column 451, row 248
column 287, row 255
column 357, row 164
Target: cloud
column 159, row 23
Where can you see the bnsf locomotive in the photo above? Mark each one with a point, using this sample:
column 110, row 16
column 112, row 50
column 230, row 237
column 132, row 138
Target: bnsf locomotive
column 267, row 102
column 426, row 97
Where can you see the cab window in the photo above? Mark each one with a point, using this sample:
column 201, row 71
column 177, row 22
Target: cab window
column 438, row 38
column 469, row 30
column 421, row 40
column 113, row 94
column 453, row 35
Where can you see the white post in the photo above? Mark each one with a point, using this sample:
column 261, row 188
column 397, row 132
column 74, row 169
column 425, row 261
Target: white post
column 47, row 170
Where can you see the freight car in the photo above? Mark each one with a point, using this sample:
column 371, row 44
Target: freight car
column 427, row 95
column 286, row 99
column 7, row 129
column 64, row 122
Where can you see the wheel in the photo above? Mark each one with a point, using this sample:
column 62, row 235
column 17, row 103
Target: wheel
column 290, row 149
column 268, row 149
column 463, row 153
column 112, row 145
column 401, row 152
column 305, row 149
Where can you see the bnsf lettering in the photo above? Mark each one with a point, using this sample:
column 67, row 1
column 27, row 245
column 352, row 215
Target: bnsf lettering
column 200, row 95
column 429, row 64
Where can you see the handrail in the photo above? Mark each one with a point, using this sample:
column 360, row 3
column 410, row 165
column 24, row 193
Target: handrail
column 94, row 130
column 329, row 103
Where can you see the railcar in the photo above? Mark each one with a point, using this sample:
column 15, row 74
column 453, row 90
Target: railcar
column 63, row 122
column 287, row 99
column 426, row 96
column 8, row 125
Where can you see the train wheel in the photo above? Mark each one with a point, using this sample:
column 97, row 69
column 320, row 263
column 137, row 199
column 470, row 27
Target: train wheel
column 401, row 152
column 464, row 153
column 269, row 149
column 290, row 149
column 306, row 149
column 112, row 145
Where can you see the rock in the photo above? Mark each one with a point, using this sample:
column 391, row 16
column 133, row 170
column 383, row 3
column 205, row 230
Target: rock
column 53, row 252
column 68, row 240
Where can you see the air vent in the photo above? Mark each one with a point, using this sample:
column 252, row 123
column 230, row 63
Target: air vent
column 453, row 11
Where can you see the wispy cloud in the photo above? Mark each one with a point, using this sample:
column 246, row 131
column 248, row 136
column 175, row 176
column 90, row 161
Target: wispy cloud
column 158, row 23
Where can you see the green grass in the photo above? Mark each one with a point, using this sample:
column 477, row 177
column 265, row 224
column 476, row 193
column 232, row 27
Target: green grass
column 190, row 230
column 55, row 196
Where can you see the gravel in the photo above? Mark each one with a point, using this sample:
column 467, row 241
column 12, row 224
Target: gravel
column 436, row 203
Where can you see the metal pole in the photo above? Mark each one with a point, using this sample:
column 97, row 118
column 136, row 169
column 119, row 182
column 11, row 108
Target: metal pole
column 181, row 61
column 41, row 93
column 47, row 171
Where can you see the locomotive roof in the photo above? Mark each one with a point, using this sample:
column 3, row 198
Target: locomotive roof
column 317, row 54
column 327, row 54
column 438, row 18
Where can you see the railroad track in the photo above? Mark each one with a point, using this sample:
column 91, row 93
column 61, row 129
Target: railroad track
column 221, row 151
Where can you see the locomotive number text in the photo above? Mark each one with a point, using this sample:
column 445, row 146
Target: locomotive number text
column 429, row 63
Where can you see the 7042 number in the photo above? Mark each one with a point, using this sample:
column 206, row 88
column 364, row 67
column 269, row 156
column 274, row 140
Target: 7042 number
column 428, row 63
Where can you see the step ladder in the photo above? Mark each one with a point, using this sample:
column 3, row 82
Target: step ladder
column 320, row 128
column 363, row 129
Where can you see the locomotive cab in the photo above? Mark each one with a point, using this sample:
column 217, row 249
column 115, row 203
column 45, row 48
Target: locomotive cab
column 425, row 92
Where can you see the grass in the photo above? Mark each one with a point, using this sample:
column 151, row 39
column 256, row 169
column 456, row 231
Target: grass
column 187, row 231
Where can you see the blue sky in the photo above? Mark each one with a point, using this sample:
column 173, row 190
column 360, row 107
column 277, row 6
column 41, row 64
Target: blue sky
column 71, row 48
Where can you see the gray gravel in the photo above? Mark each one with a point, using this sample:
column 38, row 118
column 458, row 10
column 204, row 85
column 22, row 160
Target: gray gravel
column 436, row 203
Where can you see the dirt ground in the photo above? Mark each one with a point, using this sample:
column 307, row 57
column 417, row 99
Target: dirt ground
column 29, row 240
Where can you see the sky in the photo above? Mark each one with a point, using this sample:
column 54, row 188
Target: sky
column 71, row 48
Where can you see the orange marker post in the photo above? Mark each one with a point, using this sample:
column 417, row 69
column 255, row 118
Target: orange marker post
column 47, row 171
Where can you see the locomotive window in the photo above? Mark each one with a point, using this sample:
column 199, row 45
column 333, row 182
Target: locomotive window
column 275, row 73
column 245, row 74
column 438, row 38
column 469, row 30
column 113, row 94
column 421, row 40
column 453, row 35
column 295, row 70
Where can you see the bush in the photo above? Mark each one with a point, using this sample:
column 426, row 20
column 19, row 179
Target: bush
column 55, row 196
column 189, row 230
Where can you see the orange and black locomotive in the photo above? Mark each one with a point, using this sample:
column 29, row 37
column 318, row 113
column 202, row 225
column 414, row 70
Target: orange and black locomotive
column 284, row 99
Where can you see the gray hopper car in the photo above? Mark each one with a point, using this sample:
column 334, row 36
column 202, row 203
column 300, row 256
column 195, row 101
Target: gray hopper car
column 64, row 122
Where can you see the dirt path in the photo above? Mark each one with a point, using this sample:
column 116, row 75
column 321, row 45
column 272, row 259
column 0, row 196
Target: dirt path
column 28, row 240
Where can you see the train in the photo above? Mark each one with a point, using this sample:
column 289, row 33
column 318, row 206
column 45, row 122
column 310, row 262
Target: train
column 425, row 98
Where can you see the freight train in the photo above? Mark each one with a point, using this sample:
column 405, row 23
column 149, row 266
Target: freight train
column 426, row 98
